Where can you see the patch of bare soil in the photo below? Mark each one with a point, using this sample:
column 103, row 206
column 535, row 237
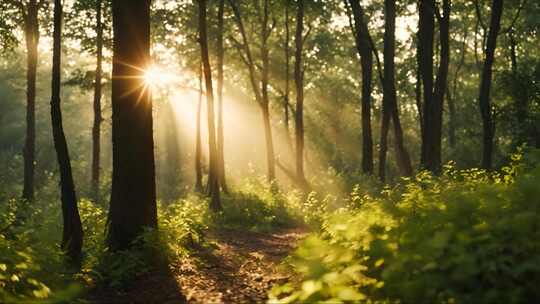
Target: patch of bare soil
column 242, row 268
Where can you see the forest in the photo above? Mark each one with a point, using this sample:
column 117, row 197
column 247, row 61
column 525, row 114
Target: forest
column 269, row 151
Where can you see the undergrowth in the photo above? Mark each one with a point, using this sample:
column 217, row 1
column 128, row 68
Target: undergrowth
column 468, row 236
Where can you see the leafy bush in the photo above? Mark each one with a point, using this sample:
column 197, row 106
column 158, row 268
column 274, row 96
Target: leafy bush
column 466, row 237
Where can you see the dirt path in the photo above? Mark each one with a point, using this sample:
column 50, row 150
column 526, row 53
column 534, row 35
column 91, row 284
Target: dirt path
column 242, row 269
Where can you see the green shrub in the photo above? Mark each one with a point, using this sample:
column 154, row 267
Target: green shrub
column 466, row 237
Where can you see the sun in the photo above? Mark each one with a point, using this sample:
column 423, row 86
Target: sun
column 157, row 76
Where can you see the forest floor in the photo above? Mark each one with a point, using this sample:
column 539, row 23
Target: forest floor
column 241, row 267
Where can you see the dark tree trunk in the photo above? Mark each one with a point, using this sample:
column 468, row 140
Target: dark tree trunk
column 198, row 141
column 31, row 32
column 72, row 235
column 426, row 29
column 365, row 51
column 299, row 81
column 418, row 97
column 433, row 93
column 390, row 109
column 96, row 129
column 286, row 99
column 441, row 83
column 451, row 120
column 133, row 194
column 220, row 126
column 213, row 177
column 485, row 84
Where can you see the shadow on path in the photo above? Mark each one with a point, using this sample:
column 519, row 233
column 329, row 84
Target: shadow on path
column 241, row 269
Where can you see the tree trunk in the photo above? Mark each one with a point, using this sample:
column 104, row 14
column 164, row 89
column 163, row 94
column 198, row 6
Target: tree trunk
column 299, row 81
column 133, row 194
column 220, row 126
column 213, row 177
column 390, row 109
column 270, row 154
column 72, row 235
column 433, row 93
column 365, row 51
column 96, row 129
column 260, row 97
column 286, row 99
column 31, row 32
column 441, row 83
column 485, row 84
column 198, row 141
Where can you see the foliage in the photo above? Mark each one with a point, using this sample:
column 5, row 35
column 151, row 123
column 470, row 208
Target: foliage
column 464, row 237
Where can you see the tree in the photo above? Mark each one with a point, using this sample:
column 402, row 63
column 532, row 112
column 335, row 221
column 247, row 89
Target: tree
column 433, row 91
column 299, row 81
column 96, row 129
column 485, row 84
column 390, row 108
column 133, row 194
column 286, row 94
column 198, row 142
column 213, row 174
column 72, row 235
column 28, row 10
column 220, row 126
column 261, row 93
column 364, row 47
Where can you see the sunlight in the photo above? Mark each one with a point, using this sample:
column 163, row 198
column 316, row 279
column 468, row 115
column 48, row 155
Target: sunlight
column 158, row 76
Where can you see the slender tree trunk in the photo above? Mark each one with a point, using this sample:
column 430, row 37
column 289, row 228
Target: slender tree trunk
column 198, row 141
column 286, row 99
column 220, row 126
column 451, row 119
column 261, row 93
column 299, row 81
column 365, row 51
column 271, row 163
column 96, row 129
column 433, row 92
column 485, row 84
column 441, row 83
column 418, row 97
column 390, row 109
column 213, row 175
column 72, row 235
column 31, row 31
column 133, row 195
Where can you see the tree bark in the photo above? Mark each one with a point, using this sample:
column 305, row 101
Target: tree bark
column 261, row 94
column 220, row 126
column 133, row 195
column 485, row 85
column 299, row 81
column 286, row 99
column 363, row 45
column 198, row 141
column 433, row 93
column 96, row 129
column 31, row 32
column 213, row 175
column 270, row 155
column 72, row 235
column 389, row 109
